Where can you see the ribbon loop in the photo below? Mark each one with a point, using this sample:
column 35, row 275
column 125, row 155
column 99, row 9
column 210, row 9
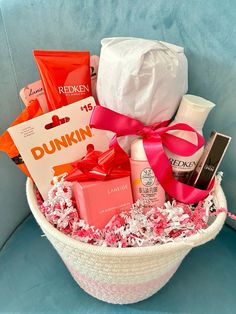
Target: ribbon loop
column 95, row 165
column 154, row 137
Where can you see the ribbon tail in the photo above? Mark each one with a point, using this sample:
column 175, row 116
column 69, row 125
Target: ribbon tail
column 107, row 119
column 162, row 169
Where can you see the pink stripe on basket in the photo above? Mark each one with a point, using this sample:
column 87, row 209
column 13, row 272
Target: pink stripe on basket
column 94, row 287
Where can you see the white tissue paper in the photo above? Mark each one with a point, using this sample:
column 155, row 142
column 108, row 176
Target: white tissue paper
column 144, row 79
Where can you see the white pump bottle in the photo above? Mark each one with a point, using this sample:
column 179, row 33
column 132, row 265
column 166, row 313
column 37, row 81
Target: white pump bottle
column 193, row 110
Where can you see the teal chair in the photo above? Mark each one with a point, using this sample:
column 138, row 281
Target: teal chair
column 33, row 278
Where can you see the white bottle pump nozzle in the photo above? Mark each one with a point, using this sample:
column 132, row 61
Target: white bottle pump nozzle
column 193, row 110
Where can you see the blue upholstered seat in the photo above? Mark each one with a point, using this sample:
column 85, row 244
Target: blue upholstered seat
column 33, row 279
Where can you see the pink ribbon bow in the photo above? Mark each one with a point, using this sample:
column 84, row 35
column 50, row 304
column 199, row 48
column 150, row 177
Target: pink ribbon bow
column 154, row 137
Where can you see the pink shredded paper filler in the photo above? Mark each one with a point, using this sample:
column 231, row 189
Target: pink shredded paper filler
column 174, row 222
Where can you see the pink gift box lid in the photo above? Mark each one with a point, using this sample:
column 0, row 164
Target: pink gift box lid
column 98, row 201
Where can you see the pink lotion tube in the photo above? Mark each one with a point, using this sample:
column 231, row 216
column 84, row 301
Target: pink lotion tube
column 144, row 183
column 34, row 91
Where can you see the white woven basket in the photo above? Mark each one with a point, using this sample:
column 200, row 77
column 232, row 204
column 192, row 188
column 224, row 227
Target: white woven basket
column 122, row 275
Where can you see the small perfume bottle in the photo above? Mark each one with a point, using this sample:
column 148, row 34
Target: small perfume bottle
column 143, row 180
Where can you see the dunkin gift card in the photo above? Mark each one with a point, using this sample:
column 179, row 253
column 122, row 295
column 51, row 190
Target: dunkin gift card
column 56, row 138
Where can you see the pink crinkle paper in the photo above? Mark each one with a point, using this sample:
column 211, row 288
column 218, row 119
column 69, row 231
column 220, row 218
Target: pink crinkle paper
column 174, row 222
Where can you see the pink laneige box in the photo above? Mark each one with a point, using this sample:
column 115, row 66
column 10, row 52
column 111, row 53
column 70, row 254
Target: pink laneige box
column 98, row 201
